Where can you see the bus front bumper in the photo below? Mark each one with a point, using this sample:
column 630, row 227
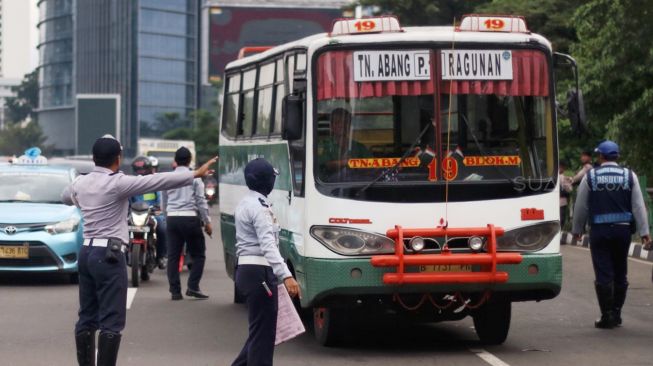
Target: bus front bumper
column 331, row 282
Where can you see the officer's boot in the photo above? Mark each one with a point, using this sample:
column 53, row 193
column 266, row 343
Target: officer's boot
column 108, row 344
column 85, row 342
column 605, row 294
column 619, row 300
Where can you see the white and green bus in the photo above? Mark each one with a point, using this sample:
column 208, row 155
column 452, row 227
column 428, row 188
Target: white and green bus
column 418, row 167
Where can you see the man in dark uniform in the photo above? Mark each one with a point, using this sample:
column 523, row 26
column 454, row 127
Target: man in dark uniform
column 610, row 197
column 103, row 197
column 260, row 264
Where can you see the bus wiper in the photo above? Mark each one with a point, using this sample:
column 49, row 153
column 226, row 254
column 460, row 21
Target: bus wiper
column 397, row 164
column 482, row 151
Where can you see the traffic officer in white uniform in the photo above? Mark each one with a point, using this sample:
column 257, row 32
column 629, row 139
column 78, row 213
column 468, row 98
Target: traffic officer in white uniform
column 260, row 264
column 103, row 197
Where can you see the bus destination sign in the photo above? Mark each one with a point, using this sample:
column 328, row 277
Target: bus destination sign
column 476, row 65
column 392, row 65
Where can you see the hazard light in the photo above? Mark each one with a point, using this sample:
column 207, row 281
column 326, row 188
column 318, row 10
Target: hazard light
column 365, row 25
column 493, row 23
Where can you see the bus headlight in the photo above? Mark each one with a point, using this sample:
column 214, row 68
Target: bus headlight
column 348, row 241
column 529, row 238
column 417, row 243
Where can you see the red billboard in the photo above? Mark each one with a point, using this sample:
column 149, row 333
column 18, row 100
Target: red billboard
column 231, row 28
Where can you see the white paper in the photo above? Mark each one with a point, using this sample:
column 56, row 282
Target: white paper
column 289, row 324
column 476, row 65
column 392, row 65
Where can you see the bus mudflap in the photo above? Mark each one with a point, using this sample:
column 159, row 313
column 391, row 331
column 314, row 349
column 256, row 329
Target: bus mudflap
column 486, row 260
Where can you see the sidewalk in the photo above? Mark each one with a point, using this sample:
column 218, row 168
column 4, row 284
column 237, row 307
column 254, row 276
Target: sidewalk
column 636, row 249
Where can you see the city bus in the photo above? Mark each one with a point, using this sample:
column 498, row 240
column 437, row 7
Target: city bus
column 418, row 168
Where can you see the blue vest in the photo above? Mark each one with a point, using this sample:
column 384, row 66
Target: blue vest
column 610, row 194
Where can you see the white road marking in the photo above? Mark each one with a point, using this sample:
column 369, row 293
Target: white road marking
column 488, row 357
column 631, row 258
column 131, row 293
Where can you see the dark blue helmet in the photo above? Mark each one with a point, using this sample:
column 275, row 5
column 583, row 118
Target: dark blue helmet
column 260, row 176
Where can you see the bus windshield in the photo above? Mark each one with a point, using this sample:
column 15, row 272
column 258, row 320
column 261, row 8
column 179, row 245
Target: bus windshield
column 394, row 132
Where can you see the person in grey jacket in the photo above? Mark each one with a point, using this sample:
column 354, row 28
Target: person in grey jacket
column 260, row 264
column 103, row 197
column 186, row 214
column 610, row 197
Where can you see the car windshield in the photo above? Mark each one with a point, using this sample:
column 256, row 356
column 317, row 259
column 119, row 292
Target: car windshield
column 390, row 132
column 32, row 186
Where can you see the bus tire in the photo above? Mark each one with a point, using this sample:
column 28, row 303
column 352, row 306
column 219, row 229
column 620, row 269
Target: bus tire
column 492, row 321
column 329, row 326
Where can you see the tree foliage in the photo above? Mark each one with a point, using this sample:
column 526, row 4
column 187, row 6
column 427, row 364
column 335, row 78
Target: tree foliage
column 26, row 100
column 15, row 139
column 615, row 54
column 425, row 12
column 204, row 133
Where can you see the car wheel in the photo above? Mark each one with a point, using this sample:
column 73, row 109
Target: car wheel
column 74, row 278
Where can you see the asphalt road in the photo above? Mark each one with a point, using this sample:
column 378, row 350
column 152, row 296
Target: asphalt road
column 37, row 314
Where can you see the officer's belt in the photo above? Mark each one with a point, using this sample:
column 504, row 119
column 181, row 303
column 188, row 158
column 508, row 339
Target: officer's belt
column 182, row 213
column 100, row 243
column 253, row 259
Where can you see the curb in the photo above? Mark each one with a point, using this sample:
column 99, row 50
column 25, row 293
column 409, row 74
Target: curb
column 636, row 250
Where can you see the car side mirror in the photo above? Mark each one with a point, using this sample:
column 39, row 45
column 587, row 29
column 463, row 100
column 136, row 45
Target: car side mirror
column 292, row 117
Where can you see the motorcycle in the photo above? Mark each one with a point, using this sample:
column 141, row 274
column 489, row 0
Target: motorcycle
column 210, row 190
column 142, row 242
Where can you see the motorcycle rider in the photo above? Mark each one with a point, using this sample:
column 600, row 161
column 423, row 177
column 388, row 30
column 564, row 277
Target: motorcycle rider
column 142, row 165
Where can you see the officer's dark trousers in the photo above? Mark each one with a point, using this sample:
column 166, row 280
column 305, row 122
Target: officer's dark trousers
column 262, row 314
column 185, row 229
column 609, row 245
column 102, row 292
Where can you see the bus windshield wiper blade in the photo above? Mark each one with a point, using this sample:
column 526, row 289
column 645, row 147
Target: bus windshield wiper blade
column 397, row 164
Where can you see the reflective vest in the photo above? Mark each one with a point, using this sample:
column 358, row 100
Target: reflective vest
column 610, row 195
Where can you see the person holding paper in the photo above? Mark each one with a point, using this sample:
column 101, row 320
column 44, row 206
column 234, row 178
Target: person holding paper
column 260, row 264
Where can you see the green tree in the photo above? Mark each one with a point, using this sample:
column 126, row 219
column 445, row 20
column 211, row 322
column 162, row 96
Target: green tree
column 552, row 18
column 615, row 54
column 425, row 12
column 204, row 133
column 15, row 139
column 26, row 100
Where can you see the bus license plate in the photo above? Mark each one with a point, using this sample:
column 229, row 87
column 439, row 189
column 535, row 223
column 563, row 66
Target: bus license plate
column 21, row 252
column 446, row 268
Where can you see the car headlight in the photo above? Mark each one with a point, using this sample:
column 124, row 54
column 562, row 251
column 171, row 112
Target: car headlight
column 529, row 238
column 210, row 191
column 348, row 241
column 139, row 219
column 65, row 226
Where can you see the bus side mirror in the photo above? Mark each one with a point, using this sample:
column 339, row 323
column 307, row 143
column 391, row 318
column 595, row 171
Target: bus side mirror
column 292, row 117
column 575, row 106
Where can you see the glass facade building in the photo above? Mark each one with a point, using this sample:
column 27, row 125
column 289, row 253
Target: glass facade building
column 55, row 53
column 167, row 60
column 143, row 50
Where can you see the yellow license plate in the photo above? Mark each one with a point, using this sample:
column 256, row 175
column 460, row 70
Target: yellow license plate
column 446, row 268
column 21, row 252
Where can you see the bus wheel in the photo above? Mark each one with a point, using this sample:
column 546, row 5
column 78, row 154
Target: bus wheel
column 328, row 326
column 492, row 321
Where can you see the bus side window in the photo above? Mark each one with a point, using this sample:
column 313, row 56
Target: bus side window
column 265, row 92
column 279, row 93
column 247, row 109
column 297, row 147
column 231, row 104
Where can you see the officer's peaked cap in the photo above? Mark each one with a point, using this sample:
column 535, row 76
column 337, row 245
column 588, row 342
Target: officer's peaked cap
column 608, row 148
column 106, row 148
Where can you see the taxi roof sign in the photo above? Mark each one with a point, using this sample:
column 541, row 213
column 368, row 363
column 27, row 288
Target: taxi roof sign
column 32, row 156
column 365, row 25
column 493, row 23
